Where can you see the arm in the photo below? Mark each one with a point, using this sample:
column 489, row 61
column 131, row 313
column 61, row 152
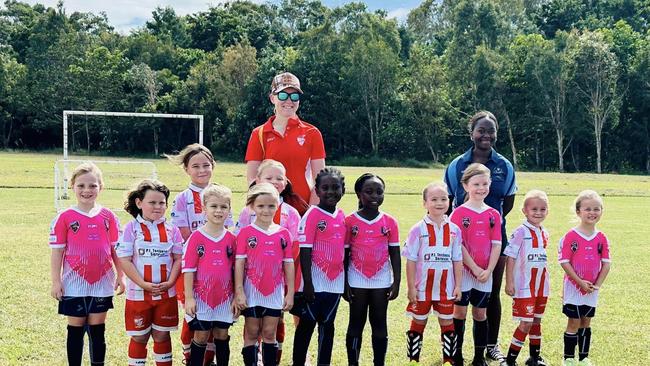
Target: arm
column 190, row 302
column 240, row 296
column 130, row 271
column 316, row 166
column 56, row 261
column 396, row 264
column 508, row 203
column 173, row 275
column 290, row 278
column 251, row 170
column 347, row 292
column 458, row 279
column 602, row 275
column 586, row 286
column 410, row 281
column 494, row 258
column 185, row 232
column 120, row 286
column 469, row 262
column 305, row 264
column 510, row 276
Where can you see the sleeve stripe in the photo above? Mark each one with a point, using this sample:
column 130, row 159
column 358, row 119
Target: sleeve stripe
column 288, row 260
column 305, row 245
column 606, row 260
column 241, row 256
column 394, row 244
column 57, row 246
column 188, row 270
column 496, row 242
column 563, row 261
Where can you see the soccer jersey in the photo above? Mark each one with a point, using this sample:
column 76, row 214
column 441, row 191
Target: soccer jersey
column 434, row 248
column 527, row 245
column 480, row 231
column 87, row 240
column 265, row 252
column 324, row 234
column 151, row 246
column 187, row 210
column 212, row 260
column 369, row 241
column 585, row 254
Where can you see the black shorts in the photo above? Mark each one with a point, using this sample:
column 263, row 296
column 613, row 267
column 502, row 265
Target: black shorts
column 82, row 306
column 578, row 311
column 322, row 310
column 478, row 299
column 205, row 325
column 260, row 312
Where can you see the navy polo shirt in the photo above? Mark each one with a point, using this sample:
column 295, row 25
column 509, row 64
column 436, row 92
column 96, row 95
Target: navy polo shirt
column 502, row 176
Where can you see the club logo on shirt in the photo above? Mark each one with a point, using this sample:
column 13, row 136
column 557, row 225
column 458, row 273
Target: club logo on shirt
column 466, row 222
column 252, row 242
column 322, row 225
column 385, row 231
column 283, row 243
column 229, row 251
column 492, row 221
column 600, row 248
column 354, row 231
column 200, row 250
column 74, row 226
column 301, row 140
column 574, row 246
column 107, row 225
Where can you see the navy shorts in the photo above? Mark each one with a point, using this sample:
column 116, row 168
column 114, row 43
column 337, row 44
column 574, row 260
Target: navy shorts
column 205, row 325
column 322, row 310
column 260, row 312
column 478, row 299
column 578, row 311
column 84, row 305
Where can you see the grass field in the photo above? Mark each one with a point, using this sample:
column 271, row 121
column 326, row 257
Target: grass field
column 32, row 333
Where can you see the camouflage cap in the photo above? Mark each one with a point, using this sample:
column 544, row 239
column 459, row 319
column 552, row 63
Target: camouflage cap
column 284, row 81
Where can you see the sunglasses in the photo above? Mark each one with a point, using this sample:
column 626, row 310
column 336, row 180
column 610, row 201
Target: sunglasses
column 282, row 96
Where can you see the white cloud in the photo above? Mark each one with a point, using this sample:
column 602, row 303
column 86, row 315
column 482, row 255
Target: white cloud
column 400, row 14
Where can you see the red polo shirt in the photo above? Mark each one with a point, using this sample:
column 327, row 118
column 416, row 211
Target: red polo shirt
column 301, row 143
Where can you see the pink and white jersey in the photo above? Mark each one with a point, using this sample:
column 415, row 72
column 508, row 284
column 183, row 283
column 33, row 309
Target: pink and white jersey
column 265, row 253
column 527, row 245
column 434, row 248
column 87, row 240
column 212, row 259
column 187, row 210
column 286, row 216
column 368, row 242
column 585, row 254
column 480, row 231
column 151, row 246
column 324, row 234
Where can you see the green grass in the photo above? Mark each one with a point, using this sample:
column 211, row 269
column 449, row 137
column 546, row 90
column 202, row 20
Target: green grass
column 32, row 333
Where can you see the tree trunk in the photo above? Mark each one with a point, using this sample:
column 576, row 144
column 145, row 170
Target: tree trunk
column 598, row 135
column 512, row 140
column 155, row 141
column 87, row 137
column 560, row 151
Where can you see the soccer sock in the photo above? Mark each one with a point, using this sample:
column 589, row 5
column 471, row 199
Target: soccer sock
column 279, row 337
column 222, row 349
column 75, row 345
column 570, row 342
column 186, row 340
column 301, row 340
column 97, row 343
column 379, row 347
column 584, row 341
column 209, row 351
column 137, row 353
column 448, row 336
column 518, row 339
column 480, row 331
column 269, row 354
column 417, row 327
column 249, row 354
column 197, row 354
column 353, row 345
column 162, row 353
column 535, row 338
column 459, row 327
column 325, row 342
column 414, row 340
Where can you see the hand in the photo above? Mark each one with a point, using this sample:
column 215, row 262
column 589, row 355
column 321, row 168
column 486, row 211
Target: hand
column 235, row 309
column 348, row 294
column 57, row 290
column 393, row 291
column 308, row 292
column 150, row 287
column 164, row 286
column 288, row 302
column 484, row 276
column 457, row 293
column 586, row 286
column 240, row 301
column 510, row 289
column 120, row 286
column 412, row 295
column 190, row 306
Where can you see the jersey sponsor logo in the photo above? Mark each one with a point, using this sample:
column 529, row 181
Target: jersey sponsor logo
column 536, row 257
column 283, row 243
column 385, row 231
column 74, row 226
column 574, row 246
column 322, row 225
column 354, row 230
column 153, row 252
column 252, row 242
column 437, row 257
column 200, row 250
column 301, row 140
column 466, row 222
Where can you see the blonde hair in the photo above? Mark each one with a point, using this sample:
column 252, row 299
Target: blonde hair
column 473, row 170
column 433, row 185
column 216, row 190
column 85, row 168
column 260, row 190
column 535, row 193
column 270, row 163
column 184, row 156
column 587, row 194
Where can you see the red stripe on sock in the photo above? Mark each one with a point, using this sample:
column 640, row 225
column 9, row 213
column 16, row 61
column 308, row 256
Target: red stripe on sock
column 417, row 327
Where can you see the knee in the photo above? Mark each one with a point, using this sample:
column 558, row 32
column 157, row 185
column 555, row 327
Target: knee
column 141, row 338
column 201, row 337
column 525, row 326
column 479, row 314
column 268, row 334
column 160, row 336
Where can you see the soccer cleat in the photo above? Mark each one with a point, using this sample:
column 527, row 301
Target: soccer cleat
column 585, row 362
column 494, row 353
column 535, row 362
column 569, row 362
column 480, row 362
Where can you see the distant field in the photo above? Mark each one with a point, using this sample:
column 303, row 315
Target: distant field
column 32, row 333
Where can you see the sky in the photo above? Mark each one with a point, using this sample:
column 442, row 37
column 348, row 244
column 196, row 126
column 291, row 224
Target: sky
column 126, row 15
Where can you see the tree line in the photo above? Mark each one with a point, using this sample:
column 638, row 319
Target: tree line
column 569, row 80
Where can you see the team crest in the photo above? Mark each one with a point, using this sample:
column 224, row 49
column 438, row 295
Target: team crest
column 252, row 242
column 138, row 321
column 492, row 221
column 301, row 140
column 229, row 251
column 574, row 246
column 74, row 226
column 600, row 248
column 283, row 243
column 354, row 231
column 322, row 225
column 530, row 309
column 200, row 251
column 385, row 231
column 465, row 222
column 107, row 225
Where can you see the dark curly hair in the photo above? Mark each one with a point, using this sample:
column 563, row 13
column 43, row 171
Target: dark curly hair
column 139, row 193
column 331, row 171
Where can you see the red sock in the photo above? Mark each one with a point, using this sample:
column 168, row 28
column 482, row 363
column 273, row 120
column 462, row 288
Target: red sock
column 536, row 334
column 186, row 340
column 137, row 353
column 518, row 340
column 162, row 352
column 209, row 351
column 417, row 327
column 447, row 328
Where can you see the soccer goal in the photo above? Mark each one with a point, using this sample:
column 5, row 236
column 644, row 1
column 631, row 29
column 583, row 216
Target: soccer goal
column 119, row 174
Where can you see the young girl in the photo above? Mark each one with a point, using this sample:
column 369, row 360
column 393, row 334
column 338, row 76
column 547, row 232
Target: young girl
column 150, row 254
column 208, row 264
column 584, row 256
column 288, row 217
column 527, row 277
column 322, row 251
column 480, row 226
column 82, row 240
column 433, row 273
column 373, row 270
column 263, row 254
column 188, row 216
